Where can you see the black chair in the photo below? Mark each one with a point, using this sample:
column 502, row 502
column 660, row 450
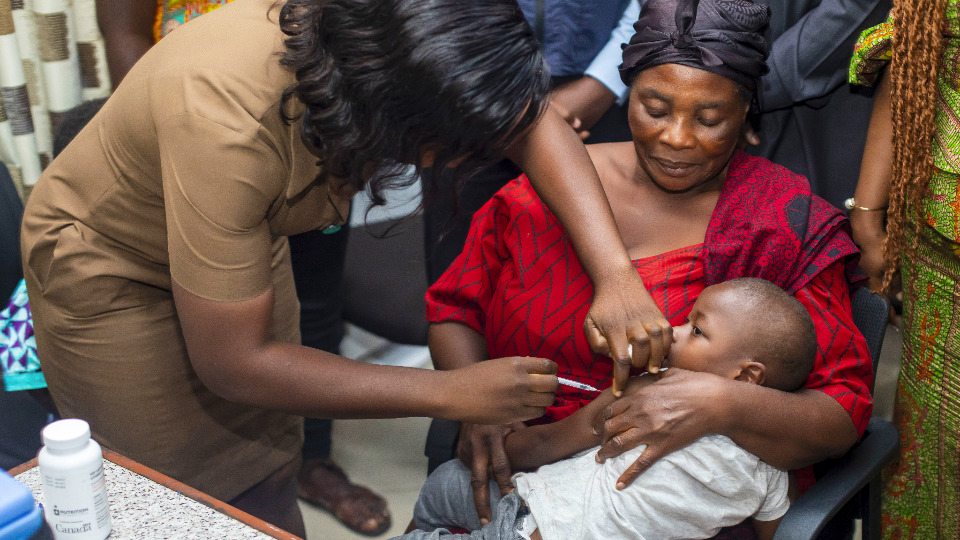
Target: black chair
column 385, row 280
column 847, row 488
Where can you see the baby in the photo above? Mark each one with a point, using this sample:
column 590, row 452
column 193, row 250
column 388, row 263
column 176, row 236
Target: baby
column 745, row 329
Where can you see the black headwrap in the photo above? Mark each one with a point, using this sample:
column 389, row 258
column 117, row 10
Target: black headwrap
column 725, row 37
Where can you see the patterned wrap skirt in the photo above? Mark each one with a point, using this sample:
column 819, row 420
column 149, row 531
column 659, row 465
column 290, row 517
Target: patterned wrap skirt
column 921, row 498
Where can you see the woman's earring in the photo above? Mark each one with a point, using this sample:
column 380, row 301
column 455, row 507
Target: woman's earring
column 331, row 229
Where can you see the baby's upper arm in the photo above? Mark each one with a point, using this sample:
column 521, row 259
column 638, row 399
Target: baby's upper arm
column 766, row 529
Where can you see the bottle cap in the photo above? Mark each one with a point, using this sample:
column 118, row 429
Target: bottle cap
column 66, row 434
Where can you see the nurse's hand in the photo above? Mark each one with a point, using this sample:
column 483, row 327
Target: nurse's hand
column 625, row 324
column 499, row 391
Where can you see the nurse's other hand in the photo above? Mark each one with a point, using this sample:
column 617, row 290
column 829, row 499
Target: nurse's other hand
column 500, row 391
column 625, row 324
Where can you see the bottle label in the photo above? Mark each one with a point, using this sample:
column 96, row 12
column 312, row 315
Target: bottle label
column 75, row 504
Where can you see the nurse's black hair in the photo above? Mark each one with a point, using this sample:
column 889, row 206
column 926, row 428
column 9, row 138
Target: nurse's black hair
column 385, row 80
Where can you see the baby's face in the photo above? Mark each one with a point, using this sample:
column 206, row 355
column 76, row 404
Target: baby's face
column 711, row 340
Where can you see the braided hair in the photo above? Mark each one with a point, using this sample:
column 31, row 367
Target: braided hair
column 917, row 52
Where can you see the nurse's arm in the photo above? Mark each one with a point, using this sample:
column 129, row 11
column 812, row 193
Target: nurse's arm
column 230, row 349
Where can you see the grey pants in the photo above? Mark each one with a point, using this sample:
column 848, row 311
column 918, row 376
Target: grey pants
column 446, row 500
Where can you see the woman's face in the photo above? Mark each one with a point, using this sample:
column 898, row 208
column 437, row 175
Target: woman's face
column 685, row 124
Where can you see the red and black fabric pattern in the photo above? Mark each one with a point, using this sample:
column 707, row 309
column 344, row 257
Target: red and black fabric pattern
column 768, row 224
column 519, row 283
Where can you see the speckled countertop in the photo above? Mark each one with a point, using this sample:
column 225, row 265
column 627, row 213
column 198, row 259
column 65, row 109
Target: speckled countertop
column 142, row 508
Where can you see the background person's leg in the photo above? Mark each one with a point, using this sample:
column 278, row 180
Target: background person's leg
column 318, row 271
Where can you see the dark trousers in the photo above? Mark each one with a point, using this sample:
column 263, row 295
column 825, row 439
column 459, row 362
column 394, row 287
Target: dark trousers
column 318, row 273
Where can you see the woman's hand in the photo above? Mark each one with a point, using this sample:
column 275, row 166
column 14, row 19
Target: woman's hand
column 500, row 391
column 869, row 233
column 481, row 448
column 666, row 416
column 624, row 317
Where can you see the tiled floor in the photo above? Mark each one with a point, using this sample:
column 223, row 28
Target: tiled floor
column 387, row 455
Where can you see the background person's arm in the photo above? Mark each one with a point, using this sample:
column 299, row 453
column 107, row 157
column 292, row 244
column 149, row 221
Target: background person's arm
column 583, row 101
column 127, row 28
column 810, row 58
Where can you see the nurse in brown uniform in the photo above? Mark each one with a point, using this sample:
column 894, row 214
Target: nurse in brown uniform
column 155, row 245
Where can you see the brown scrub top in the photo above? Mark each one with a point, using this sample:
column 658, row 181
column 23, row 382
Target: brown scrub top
column 188, row 172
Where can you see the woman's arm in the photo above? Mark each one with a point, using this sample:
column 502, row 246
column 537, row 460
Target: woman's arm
column 873, row 187
column 230, row 349
column 623, row 312
column 454, row 345
column 787, row 430
column 127, row 28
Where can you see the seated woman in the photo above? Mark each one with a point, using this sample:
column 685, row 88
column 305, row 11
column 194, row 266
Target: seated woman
column 692, row 211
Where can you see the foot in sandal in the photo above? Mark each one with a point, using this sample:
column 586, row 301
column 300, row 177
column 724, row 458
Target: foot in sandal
column 322, row 483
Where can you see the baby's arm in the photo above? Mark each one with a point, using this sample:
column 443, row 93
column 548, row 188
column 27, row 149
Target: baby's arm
column 766, row 529
column 534, row 446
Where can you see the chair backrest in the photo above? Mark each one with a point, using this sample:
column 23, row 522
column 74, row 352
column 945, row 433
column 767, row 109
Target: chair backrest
column 870, row 313
column 385, row 280
column 11, row 212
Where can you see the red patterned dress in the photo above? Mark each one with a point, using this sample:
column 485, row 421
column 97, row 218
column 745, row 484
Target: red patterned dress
column 519, row 283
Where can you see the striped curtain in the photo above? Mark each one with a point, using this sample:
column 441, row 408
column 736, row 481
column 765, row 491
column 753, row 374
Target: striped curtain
column 51, row 60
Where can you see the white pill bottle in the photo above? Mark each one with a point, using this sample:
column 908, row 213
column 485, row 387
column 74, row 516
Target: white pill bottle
column 71, row 475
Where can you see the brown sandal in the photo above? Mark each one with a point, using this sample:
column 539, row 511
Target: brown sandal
column 322, row 483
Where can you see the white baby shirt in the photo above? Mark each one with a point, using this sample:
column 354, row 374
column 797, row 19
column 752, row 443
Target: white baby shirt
column 691, row 493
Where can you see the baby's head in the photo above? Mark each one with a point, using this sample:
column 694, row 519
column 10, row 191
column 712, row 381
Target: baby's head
column 750, row 330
